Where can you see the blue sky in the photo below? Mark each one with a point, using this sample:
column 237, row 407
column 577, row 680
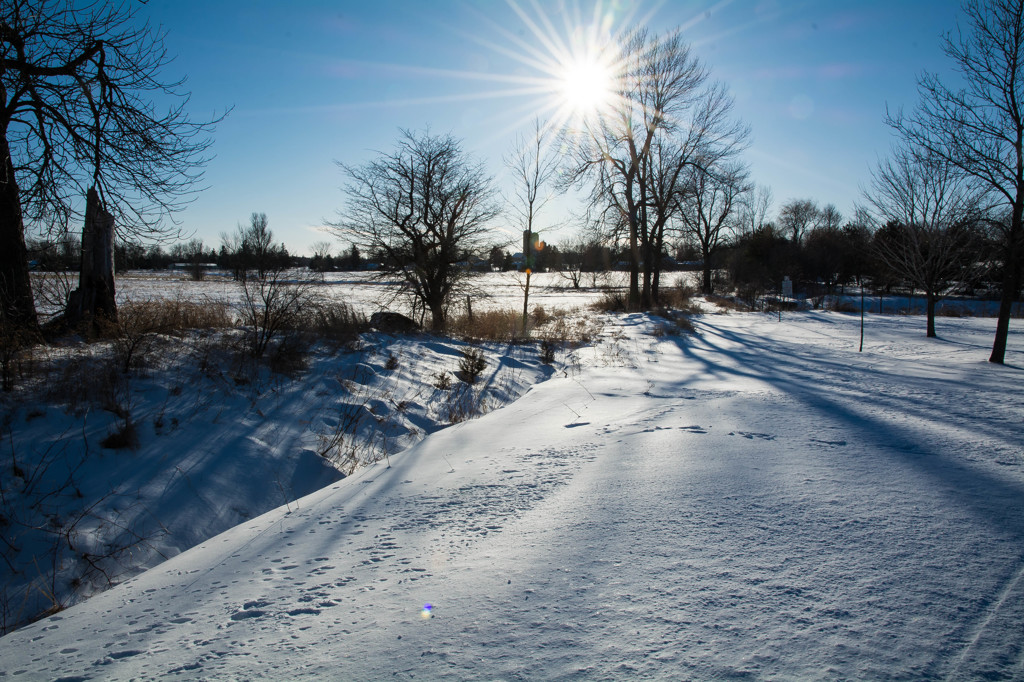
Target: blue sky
column 314, row 82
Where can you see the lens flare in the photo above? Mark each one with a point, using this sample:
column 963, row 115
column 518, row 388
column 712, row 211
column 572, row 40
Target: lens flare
column 428, row 611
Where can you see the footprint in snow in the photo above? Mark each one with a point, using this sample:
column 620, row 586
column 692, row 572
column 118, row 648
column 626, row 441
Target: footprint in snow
column 833, row 443
column 751, row 435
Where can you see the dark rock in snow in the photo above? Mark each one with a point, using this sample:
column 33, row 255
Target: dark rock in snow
column 393, row 323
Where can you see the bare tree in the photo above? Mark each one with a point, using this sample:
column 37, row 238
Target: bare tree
column 979, row 127
column 797, row 216
column 251, row 248
column 754, row 209
column 77, row 81
column 666, row 116
column 929, row 210
column 534, row 168
column 710, row 206
column 830, row 218
column 322, row 260
column 193, row 254
column 422, row 205
column 258, row 243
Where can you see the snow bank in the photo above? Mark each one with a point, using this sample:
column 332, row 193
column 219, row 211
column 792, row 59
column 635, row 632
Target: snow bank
column 759, row 500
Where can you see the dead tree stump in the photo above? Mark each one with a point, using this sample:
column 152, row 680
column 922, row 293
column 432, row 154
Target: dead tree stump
column 93, row 300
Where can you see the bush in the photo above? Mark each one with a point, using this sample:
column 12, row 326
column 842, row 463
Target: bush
column 613, row 301
column 332, row 321
column 124, row 438
column 472, row 365
column 680, row 296
column 675, row 323
column 842, row 306
column 540, row 316
column 272, row 305
column 954, row 311
column 728, row 303
column 547, row 351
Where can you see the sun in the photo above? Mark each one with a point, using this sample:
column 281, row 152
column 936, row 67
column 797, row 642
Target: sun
column 586, row 85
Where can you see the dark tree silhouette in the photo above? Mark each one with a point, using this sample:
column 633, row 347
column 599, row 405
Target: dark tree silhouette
column 710, row 206
column 930, row 211
column 78, row 86
column 979, row 126
column 667, row 115
column 423, row 206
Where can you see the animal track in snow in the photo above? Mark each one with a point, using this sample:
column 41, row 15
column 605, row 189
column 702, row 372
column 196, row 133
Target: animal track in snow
column 751, row 435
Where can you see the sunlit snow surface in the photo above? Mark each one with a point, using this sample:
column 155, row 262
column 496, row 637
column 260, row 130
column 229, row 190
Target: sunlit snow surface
column 757, row 500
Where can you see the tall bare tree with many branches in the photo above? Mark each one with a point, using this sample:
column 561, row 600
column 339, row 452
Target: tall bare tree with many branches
column 666, row 115
column 711, row 204
column 424, row 205
column 929, row 211
column 979, row 127
column 79, row 82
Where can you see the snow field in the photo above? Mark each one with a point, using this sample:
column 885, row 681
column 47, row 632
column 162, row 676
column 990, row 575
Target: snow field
column 758, row 500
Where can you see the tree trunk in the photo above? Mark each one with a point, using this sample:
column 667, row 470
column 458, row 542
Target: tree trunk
column 1011, row 283
column 634, row 268
column 526, row 303
column 93, row 300
column 18, row 306
column 437, row 317
column 656, row 271
column 706, row 285
column 930, row 300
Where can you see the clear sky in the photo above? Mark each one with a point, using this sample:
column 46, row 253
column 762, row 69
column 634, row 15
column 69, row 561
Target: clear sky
column 312, row 82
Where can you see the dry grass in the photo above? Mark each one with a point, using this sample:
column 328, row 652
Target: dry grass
column 490, row 325
column 175, row 316
column 727, row 303
column 332, row 321
column 613, row 301
column 679, row 297
column 675, row 322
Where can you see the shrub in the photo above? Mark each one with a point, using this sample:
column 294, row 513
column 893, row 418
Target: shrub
column 842, row 306
column 613, row 301
column 16, row 345
column 728, row 303
column 954, row 311
column 540, row 316
column 547, row 351
column 675, row 323
column 680, row 296
column 472, row 365
column 140, row 322
column 272, row 305
column 442, row 381
column 334, row 321
column 124, row 438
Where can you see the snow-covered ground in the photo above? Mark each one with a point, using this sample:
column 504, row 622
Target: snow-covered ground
column 368, row 293
column 757, row 500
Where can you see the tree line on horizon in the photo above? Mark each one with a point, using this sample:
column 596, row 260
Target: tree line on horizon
column 661, row 167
